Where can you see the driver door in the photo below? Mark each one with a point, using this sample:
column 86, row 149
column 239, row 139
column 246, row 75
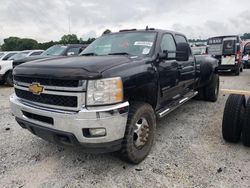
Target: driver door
column 168, row 72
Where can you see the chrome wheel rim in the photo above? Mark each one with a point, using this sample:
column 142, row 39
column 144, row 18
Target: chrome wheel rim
column 141, row 133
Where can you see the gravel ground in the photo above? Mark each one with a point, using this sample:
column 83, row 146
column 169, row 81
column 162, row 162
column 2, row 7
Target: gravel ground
column 189, row 152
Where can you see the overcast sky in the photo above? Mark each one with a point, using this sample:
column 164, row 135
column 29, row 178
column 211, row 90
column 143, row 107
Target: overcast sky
column 46, row 20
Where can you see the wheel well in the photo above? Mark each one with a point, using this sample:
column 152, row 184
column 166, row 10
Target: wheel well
column 7, row 74
column 146, row 95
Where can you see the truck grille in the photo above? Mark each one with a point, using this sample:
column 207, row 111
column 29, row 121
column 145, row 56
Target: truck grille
column 57, row 100
column 48, row 82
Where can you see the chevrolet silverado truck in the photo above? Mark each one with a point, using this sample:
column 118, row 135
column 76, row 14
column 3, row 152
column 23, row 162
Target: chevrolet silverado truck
column 109, row 98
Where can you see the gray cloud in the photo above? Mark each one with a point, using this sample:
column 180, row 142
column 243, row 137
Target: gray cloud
column 48, row 20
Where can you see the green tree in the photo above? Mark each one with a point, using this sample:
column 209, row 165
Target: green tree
column 69, row 39
column 45, row 45
column 18, row 44
column 245, row 36
column 15, row 43
column 90, row 40
column 26, row 44
column 10, row 43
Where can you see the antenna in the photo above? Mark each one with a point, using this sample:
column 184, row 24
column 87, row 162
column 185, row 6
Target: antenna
column 69, row 25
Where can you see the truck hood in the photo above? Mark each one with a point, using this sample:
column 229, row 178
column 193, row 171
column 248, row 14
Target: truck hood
column 81, row 67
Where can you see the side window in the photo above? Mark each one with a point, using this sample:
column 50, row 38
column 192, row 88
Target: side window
column 168, row 44
column 73, row 51
column 180, row 39
column 36, row 53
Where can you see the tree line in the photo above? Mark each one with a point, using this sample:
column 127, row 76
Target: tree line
column 19, row 44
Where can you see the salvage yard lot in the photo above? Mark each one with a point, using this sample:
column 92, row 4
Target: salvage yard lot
column 188, row 152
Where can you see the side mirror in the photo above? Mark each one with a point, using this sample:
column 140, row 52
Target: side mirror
column 70, row 53
column 182, row 52
column 163, row 55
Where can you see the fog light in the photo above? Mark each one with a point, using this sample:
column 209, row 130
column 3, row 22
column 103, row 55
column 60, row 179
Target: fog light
column 97, row 132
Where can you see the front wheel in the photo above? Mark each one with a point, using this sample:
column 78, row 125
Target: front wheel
column 9, row 78
column 139, row 134
column 2, row 82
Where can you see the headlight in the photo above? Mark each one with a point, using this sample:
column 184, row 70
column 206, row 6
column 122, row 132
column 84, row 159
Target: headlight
column 104, row 91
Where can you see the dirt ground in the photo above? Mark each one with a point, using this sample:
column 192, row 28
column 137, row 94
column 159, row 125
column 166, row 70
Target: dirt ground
column 189, row 152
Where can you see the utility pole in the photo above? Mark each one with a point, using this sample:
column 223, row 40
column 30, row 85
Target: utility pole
column 69, row 25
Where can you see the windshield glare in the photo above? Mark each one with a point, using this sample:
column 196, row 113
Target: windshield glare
column 135, row 44
column 54, row 50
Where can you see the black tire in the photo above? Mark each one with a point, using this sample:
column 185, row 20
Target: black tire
column 129, row 151
column 241, row 69
column 237, row 71
column 211, row 91
column 9, row 78
column 206, row 69
column 2, row 82
column 233, row 118
column 246, row 126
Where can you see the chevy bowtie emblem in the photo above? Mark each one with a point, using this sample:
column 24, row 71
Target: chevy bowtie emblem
column 36, row 88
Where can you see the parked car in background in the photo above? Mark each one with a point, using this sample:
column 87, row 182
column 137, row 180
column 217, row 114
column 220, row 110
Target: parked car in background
column 26, row 53
column 54, row 51
column 199, row 49
column 6, row 55
column 246, row 55
column 6, row 65
column 227, row 50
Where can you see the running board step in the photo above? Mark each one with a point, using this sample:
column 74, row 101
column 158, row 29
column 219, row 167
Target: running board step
column 176, row 104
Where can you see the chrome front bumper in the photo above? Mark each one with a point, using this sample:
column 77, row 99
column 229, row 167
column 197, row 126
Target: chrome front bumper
column 112, row 118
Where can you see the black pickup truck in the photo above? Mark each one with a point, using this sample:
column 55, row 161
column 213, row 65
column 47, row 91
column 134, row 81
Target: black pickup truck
column 109, row 98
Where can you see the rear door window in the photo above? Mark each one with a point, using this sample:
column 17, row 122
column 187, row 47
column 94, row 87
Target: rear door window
column 180, row 39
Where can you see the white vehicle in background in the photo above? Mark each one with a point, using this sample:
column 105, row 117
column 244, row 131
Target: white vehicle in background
column 4, row 62
column 6, row 59
column 26, row 53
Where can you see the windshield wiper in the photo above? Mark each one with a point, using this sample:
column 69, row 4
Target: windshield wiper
column 89, row 54
column 119, row 53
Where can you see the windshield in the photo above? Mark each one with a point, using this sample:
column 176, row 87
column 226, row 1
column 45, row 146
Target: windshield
column 19, row 56
column 1, row 54
column 54, row 50
column 134, row 43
